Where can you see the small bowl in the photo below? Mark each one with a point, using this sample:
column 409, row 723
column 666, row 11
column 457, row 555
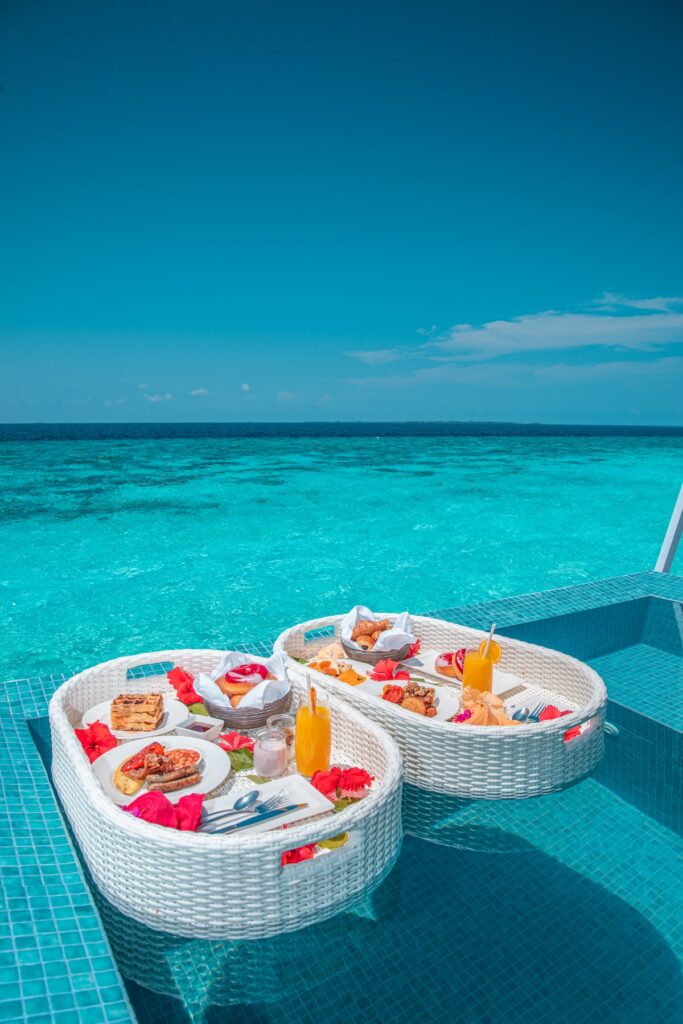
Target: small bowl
column 210, row 730
column 374, row 657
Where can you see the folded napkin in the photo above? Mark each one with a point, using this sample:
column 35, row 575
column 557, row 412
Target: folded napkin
column 157, row 809
column 261, row 694
column 391, row 639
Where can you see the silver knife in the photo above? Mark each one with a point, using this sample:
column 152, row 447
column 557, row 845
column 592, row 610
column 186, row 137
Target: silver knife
column 255, row 819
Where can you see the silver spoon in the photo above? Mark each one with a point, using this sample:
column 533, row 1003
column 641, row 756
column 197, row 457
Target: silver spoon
column 242, row 803
column 521, row 715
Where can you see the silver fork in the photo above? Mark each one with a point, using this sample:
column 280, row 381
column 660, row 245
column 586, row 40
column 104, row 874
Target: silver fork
column 533, row 715
column 268, row 805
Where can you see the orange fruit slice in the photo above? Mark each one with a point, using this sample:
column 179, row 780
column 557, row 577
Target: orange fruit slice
column 494, row 654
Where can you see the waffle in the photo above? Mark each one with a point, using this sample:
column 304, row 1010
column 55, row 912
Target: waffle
column 137, row 712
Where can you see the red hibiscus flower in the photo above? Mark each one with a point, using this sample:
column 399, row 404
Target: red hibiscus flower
column 327, row 782
column 354, row 783
column 96, row 740
column 552, row 712
column 414, row 649
column 386, row 670
column 394, row 694
column 157, row 809
column 182, row 681
column 235, row 741
column 189, row 811
column 299, row 854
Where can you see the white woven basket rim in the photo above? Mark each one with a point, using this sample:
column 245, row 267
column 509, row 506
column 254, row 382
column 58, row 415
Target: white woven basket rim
column 294, row 836
column 577, row 717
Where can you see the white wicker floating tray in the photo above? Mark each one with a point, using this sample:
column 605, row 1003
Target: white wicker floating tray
column 477, row 762
column 224, row 887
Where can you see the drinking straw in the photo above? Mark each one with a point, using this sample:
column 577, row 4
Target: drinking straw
column 308, row 687
column 488, row 642
column 313, row 701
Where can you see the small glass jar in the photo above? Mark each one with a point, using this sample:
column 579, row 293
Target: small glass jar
column 270, row 753
column 287, row 725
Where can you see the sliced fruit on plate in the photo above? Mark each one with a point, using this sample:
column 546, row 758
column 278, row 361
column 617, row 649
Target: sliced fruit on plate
column 451, row 664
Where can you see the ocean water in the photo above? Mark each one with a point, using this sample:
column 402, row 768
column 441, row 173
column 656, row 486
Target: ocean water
column 117, row 540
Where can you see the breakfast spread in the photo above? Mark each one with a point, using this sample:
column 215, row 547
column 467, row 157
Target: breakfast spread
column 137, row 712
column 158, row 768
column 463, row 696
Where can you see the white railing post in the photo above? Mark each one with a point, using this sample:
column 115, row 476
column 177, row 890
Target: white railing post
column 673, row 535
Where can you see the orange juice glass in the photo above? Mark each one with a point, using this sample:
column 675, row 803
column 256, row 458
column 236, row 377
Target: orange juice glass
column 478, row 672
column 313, row 738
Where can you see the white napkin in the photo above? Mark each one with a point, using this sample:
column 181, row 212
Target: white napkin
column 259, row 695
column 392, row 639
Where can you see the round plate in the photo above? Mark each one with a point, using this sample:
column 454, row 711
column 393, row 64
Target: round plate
column 174, row 714
column 214, row 766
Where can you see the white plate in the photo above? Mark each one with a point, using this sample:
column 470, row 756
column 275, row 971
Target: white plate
column 295, row 790
column 174, row 714
column 214, row 766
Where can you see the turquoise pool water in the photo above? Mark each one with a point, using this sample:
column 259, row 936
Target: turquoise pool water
column 121, row 544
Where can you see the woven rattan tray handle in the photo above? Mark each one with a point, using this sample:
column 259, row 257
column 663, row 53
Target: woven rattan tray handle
column 326, row 864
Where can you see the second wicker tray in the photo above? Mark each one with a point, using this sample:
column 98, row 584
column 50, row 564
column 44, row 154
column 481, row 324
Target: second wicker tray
column 470, row 761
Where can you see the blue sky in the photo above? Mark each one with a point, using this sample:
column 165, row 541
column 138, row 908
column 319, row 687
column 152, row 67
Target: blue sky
column 268, row 211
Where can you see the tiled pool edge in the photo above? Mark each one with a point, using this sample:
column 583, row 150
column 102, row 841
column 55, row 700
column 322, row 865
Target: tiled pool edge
column 55, row 959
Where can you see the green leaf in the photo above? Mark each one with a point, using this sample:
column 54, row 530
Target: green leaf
column 241, row 759
column 259, row 779
column 340, row 805
column 335, row 842
column 197, row 709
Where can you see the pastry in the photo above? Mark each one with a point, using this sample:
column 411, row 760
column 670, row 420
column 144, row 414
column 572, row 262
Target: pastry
column 414, row 704
column 137, row 712
column 231, row 689
column 451, row 664
column 366, row 632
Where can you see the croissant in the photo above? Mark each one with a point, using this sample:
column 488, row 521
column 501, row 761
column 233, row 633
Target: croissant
column 366, row 627
column 365, row 642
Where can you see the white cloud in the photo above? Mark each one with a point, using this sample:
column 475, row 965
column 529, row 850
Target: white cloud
column 143, row 387
column 655, row 324
column 662, row 304
column 376, row 357
column 158, row 398
column 286, row 396
column 244, row 387
column 199, row 392
column 553, row 331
